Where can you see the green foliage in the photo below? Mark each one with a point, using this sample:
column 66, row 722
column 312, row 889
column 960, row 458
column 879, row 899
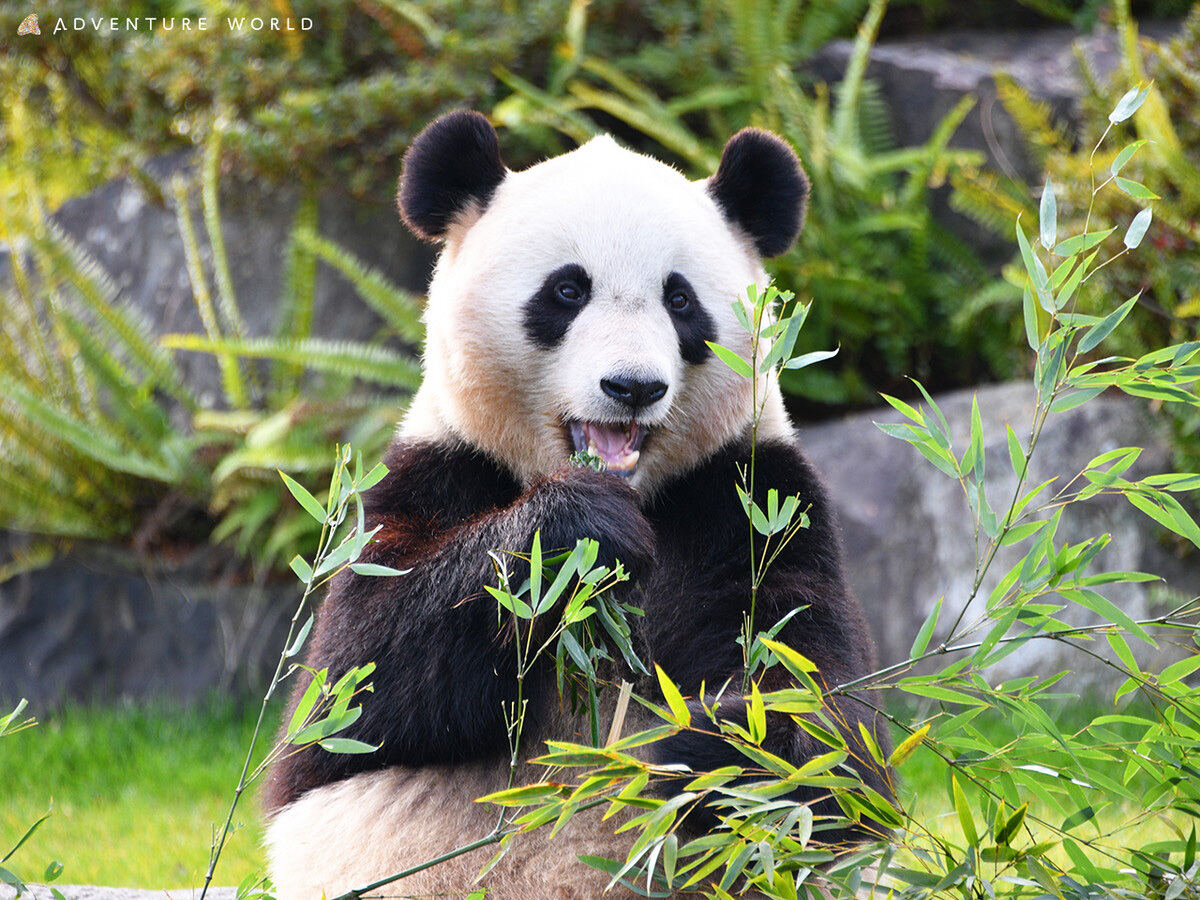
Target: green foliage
column 1153, row 154
column 9, row 725
column 102, row 438
column 89, row 442
column 888, row 278
column 316, row 392
column 339, row 102
column 325, row 708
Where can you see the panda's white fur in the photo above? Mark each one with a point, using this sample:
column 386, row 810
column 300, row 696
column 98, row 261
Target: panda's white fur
column 630, row 220
column 375, row 824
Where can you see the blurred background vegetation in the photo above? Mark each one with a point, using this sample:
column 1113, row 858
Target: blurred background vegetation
column 102, row 439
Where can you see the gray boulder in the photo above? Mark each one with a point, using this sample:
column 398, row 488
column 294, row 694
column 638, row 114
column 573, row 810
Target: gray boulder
column 907, row 527
column 922, row 79
column 102, row 623
column 136, row 241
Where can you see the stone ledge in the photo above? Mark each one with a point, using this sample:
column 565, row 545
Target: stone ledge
column 98, row 892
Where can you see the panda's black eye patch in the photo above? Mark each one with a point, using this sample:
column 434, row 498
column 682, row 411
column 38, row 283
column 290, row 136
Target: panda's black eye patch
column 550, row 311
column 693, row 325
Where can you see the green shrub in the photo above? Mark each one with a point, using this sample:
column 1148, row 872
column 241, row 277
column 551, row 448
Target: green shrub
column 1166, row 162
column 101, row 438
column 337, row 103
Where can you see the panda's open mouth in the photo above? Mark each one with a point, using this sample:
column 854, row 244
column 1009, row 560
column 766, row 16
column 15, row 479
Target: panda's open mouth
column 619, row 444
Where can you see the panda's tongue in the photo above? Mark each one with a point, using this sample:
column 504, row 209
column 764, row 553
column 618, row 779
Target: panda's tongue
column 617, row 445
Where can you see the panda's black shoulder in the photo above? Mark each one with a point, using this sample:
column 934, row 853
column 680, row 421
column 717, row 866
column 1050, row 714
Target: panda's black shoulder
column 442, row 481
column 703, row 506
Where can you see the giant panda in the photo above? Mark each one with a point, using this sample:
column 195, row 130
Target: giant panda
column 570, row 308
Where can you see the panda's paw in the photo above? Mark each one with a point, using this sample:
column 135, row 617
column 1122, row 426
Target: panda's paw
column 579, row 503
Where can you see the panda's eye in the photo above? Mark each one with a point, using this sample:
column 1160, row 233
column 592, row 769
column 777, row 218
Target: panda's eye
column 678, row 301
column 568, row 292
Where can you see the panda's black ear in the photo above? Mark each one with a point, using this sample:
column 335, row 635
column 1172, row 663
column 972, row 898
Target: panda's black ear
column 761, row 188
column 453, row 164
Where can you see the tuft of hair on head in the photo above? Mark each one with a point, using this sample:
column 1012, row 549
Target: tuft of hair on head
column 761, row 188
column 452, row 167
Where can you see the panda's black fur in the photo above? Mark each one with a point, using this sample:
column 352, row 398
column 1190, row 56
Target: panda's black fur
column 443, row 674
column 445, row 670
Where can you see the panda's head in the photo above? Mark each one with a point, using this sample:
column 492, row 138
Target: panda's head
column 573, row 301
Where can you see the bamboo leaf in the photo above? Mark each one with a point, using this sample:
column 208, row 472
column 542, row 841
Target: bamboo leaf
column 731, row 359
column 1082, row 242
column 679, row 709
column 303, row 497
column 921, row 642
column 1137, row 228
column 1129, row 103
column 1102, row 329
column 1048, row 216
column 906, row 747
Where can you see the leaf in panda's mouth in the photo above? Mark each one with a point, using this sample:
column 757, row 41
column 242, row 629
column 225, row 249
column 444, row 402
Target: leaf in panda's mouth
column 619, row 444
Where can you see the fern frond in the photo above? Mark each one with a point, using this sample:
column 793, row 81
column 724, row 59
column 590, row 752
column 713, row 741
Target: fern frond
column 131, row 405
column 25, row 508
column 83, row 436
column 27, row 559
column 210, row 201
column 231, row 375
column 845, row 113
column 925, row 174
column 795, row 112
column 1170, row 58
column 874, row 120
column 285, row 535
column 821, row 22
column 1185, row 225
column 1033, row 117
column 756, row 40
column 400, row 309
column 269, row 459
column 98, row 296
column 348, row 358
column 298, row 296
column 1094, row 90
column 989, row 199
column 34, row 334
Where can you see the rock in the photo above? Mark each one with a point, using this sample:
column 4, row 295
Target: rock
column 101, row 624
column 922, row 79
column 907, row 527
column 137, row 243
column 93, row 892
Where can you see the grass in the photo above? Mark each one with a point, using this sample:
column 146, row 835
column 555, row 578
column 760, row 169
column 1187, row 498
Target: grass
column 136, row 792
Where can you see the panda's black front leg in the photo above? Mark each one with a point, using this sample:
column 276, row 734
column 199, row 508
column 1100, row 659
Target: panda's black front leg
column 703, row 750
column 445, row 665
column 825, row 629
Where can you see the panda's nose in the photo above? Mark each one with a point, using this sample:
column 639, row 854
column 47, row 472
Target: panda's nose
column 632, row 392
